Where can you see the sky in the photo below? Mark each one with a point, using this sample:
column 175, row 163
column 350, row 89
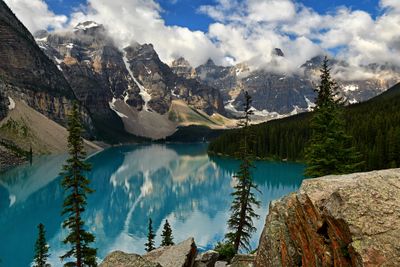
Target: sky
column 233, row 31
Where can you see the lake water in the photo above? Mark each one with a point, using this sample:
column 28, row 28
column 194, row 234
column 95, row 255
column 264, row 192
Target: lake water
column 177, row 182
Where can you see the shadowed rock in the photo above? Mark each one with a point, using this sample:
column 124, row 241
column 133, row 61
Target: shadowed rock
column 206, row 259
column 243, row 261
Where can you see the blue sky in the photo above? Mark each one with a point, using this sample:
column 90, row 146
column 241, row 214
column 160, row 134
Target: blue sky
column 185, row 12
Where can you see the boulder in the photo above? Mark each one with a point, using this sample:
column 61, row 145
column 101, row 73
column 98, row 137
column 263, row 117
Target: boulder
column 206, row 259
column 121, row 259
column 243, row 260
column 346, row 220
column 180, row 255
column 221, row 264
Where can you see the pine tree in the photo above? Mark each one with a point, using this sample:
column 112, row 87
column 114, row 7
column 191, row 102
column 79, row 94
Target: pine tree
column 150, row 238
column 330, row 149
column 240, row 222
column 76, row 186
column 167, row 238
column 41, row 248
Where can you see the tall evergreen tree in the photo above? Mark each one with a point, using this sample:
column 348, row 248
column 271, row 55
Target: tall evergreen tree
column 76, row 186
column 240, row 222
column 41, row 248
column 150, row 237
column 330, row 149
column 167, row 238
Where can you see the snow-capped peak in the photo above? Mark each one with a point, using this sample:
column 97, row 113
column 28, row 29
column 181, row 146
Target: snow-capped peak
column 86, row 25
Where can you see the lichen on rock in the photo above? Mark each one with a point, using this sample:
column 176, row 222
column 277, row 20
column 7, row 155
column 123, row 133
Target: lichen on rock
column 347, row 220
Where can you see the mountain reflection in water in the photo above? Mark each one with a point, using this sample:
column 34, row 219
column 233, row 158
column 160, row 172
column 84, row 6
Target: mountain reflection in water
column 177, row 182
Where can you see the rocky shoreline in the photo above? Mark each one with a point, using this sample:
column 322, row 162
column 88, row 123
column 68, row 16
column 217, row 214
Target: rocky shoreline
column 184, row 254
column 9, row 158
column 343, row 220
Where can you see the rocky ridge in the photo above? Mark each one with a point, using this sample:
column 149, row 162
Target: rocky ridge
column 348, row 220
column 129, row 90
column 278, row 94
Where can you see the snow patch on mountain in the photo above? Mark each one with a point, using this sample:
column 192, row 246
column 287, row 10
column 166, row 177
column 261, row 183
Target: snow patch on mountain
column 353, row 101
column 230, row 107
column 112, row 106
column 296, row 110
column 173, row 93
column 350, row 88
column 310, row 104
column 11, row 106
column 86, row 25
column 266, row 113
column 143, row 92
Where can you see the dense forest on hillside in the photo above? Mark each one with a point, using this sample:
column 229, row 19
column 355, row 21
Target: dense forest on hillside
column 374, row 125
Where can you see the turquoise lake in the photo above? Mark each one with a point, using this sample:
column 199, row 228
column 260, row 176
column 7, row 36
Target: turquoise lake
column 178, row 182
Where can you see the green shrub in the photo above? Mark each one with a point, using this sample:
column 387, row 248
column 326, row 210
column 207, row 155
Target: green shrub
column 226, row 251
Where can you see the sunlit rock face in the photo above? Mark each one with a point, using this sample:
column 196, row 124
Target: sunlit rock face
column 182, row 67
column 163, row 84
column 348, row 220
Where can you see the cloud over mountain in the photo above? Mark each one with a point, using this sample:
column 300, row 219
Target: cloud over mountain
column 246, row 30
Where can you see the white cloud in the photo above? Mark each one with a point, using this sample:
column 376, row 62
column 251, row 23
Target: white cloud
column 394, row 4
column 271, row 10
column 35, row 14
column 140, row 21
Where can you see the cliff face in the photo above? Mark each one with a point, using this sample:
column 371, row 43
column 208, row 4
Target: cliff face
column 349, row 220
column 27, row 73
column 4, row 102
column 163, row 84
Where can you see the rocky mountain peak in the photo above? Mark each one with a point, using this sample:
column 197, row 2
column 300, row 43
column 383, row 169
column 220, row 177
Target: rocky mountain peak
column 180, row 62
column 145, row 52
column 182, row 67
column 278, row 52
column 84, row 26
column 241, row 68
column 210, row 63
column 90, row 28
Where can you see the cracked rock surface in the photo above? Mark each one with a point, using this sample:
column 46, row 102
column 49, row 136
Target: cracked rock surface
column 345, row 220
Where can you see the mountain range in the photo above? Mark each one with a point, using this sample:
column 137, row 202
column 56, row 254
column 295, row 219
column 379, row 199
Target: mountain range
column 126, row 93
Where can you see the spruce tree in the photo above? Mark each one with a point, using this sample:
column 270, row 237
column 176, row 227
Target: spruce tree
column 240, row 222
column 150, row 237
column 76, row 186
column 41, row 248
column 167, row 238
column 330, row 149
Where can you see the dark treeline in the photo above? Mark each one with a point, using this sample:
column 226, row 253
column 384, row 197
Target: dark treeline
column 374, row 125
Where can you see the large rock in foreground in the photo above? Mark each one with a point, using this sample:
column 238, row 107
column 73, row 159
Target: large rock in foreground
column 122, row 259
column 349, row 220
column 180, row 255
